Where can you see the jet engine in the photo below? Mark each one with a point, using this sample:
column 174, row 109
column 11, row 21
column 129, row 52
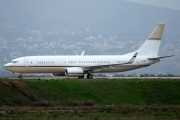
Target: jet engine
column 74, row 72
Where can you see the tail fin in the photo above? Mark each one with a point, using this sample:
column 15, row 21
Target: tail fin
column 151, row 46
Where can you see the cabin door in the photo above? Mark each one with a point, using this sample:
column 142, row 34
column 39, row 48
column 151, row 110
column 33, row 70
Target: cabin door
column 26, row 61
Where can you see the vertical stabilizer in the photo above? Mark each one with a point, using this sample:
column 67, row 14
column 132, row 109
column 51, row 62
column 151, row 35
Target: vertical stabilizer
column 157, row 33
column 151, row 46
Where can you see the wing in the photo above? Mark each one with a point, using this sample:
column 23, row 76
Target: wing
column 99, row 67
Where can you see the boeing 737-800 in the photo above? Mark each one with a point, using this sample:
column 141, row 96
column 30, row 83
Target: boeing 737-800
column 78, row 66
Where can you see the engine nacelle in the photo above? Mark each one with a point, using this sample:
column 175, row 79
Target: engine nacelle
column 58, row 74
column 74, row 72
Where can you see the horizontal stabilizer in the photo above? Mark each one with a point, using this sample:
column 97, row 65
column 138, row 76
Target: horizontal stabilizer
column 152, row 58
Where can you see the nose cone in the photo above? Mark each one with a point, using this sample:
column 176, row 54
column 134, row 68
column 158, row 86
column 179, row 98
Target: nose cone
column 7, row 66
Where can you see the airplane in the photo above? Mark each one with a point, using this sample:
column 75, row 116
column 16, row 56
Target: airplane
column 79, row 65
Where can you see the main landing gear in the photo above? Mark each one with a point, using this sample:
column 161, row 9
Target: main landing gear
column 20, row 77
column 89, row 76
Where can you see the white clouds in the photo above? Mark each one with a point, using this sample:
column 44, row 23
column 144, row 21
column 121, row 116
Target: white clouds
column 102, row 43
column 101, row 38
column 87, row 30
column 53, row 33
column 20, row 39
column 111, row 38
column 68, row 32
column 3, row 41
column 90, row 38
column 169, row 47
column 15, row 54
column 34, row 32
column 39, row 39
column 73, row 33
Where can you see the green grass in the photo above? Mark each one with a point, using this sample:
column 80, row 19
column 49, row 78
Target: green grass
column 107, row 92
column 97, row 91
column 90, row 99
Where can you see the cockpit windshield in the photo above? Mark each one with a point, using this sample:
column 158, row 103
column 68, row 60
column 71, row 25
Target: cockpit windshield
column 14, row 62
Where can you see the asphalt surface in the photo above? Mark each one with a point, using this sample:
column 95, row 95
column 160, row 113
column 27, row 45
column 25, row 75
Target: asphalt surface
column 42, row 77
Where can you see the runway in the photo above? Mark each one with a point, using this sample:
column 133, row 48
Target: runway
column 56, row 78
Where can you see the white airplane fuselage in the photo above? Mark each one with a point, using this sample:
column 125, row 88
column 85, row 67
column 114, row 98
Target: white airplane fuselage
column 58, row 64
column 77, row 66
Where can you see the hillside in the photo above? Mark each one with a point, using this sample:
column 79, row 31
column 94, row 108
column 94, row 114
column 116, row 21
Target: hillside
column 85, row 92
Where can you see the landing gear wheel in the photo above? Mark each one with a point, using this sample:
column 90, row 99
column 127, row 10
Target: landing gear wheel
column 20, row 77
column 89, row 76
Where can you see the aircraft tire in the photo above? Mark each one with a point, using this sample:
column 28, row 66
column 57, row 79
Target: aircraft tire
column 20, row 77
column 89, row 76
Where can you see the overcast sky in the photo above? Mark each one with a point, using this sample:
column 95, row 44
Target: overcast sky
column 173, row 4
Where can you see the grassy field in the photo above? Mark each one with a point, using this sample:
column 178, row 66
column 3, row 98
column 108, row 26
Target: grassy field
column 90, row 99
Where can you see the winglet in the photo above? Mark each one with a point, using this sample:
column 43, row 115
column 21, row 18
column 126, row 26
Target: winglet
column 133, row 58
column 82, row 54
